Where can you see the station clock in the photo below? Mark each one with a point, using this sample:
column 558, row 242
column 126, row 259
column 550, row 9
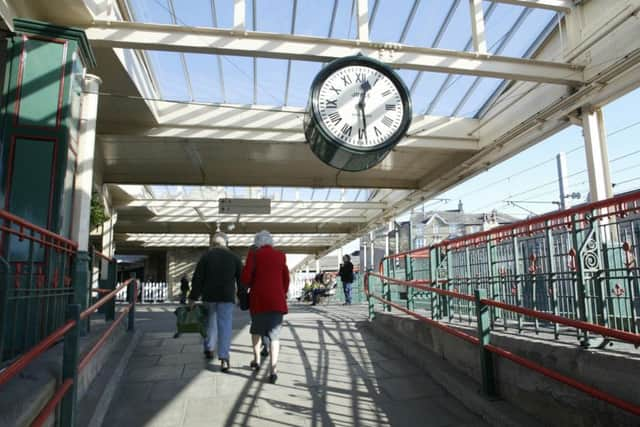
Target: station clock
column 359, row 109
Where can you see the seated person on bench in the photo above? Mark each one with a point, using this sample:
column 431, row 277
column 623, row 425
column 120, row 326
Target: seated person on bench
column 322, row 286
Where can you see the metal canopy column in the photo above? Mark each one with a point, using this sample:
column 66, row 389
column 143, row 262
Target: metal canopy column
column 597, row 158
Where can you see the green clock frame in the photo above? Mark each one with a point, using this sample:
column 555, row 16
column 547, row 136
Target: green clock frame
column 332, row 150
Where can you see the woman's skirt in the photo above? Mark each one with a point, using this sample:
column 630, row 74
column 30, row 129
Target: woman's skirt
column 266, row 324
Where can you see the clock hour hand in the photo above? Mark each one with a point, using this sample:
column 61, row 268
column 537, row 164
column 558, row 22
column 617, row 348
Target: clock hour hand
column 364, row 87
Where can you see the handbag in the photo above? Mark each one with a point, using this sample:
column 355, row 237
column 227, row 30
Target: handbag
column 243, row 298
column 191, row 320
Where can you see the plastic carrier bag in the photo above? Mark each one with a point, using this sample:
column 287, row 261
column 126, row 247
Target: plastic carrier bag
column 191, row 320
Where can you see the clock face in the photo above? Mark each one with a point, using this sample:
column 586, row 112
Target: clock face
column 360, row 106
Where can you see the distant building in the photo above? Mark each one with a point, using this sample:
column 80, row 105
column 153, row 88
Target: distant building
column 434, row 226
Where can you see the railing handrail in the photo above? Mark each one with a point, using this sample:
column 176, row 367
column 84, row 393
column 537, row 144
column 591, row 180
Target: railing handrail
column 594, row 392
column 545, row 218
column 24, row 360
column 103, row 256
column 42, row 231
column 628, row 337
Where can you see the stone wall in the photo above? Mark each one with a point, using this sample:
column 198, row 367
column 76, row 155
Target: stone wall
column 181, row 261
column 612, row 371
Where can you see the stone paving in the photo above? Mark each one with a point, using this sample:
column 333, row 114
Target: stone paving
column 332, row 372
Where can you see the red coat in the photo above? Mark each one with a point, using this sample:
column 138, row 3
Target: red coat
column 266, row 274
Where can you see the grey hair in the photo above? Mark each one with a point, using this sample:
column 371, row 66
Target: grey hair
column 263, row 238
column 219, row 239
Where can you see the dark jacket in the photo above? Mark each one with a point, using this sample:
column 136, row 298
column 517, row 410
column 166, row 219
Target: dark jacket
column 216, row 275
column 346, row 272
column 266, row 273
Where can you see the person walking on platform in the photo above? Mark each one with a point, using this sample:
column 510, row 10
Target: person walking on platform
column 184, row 289
column 266, row 274
column 215, row 280
column 346, row 276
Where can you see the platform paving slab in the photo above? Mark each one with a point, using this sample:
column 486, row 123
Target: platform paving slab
column 332, row 372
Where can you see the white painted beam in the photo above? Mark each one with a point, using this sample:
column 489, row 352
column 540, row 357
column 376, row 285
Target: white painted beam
column 306, row 48
column 477, row 26
column 239, row 14
column 557, row 5
column 362, row 11
column 172, row 203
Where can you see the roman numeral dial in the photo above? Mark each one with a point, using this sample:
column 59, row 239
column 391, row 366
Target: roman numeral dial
column 360, row 106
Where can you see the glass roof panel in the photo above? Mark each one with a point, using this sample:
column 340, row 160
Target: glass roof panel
column 390, row 20
column 204, row 77
column 429, row 17
column 313, row 17
column 196, row 13
column 273, row 16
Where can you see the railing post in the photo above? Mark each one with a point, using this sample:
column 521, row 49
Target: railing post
column 386, row 290
column 71, row 354
column 81, row 284
column 110, row 307
column 434, row 299
column 484, row 335
column 372, row 311
column 445, row 308
column 4, row 303
column 132, row 290
column 408, row 275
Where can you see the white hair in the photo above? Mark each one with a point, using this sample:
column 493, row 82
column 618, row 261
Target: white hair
column 263, row 238
column 219, row 239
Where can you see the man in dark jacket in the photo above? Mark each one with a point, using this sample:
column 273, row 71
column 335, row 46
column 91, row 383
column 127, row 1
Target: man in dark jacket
column 215, row 280
column 346, row 276
column 184, row 289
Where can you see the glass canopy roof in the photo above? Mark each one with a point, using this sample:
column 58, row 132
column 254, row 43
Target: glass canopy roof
column 510, row 31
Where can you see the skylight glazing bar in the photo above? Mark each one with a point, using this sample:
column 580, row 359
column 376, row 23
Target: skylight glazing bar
column 374, row 12
column 548, row 29
column 409, row 21
column 503, row 44
column 255, row 60
column 333, row 18
column 445, row 85
column 293, row 30
column 438, row 38
column 183, row 59
column 214, row 21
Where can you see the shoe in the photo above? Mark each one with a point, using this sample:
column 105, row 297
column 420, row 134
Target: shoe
column 254, row 365
column 224, row 365
column 264, row 352
column 273, row 378
column 208, row 354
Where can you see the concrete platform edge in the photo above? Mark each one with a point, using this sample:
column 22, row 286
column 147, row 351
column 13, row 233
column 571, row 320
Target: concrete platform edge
column 110, row 390
column 495, row 412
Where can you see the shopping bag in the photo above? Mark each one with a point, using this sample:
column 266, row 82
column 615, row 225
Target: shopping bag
column 191, row 320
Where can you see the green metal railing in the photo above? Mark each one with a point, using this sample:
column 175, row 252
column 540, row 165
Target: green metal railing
column 36, row 269
column 358, row 295
column 580, row 264
column 377, row 284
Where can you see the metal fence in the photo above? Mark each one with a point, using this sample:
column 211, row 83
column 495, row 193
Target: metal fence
column 579, row 263
column 35, row 283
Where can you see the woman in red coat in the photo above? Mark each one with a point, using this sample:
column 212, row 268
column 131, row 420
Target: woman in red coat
column 266, row 274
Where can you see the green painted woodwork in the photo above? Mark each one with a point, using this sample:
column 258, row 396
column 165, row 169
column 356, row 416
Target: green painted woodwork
column 39, row 129
column 43, row 63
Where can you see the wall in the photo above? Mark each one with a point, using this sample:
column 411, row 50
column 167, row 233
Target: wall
column 181, row 261
column 615, row 372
